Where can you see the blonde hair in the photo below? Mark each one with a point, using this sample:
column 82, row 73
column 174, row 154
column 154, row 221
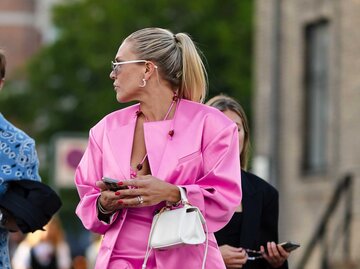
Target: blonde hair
column 223, row 103
column 177, row 58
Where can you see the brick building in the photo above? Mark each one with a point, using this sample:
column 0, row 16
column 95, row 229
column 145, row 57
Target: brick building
column 306, row 115
column 24, row 26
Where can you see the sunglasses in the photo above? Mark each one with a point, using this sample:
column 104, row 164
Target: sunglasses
column 114, row 65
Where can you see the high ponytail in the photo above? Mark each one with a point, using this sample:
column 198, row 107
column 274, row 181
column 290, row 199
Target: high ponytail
column 177, row 58
column 194, row 76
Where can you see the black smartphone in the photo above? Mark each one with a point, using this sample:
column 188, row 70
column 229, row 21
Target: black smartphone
column 112, row 184
column 289, row 246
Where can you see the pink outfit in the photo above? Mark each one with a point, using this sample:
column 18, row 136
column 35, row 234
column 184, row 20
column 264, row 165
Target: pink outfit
column 202, row 156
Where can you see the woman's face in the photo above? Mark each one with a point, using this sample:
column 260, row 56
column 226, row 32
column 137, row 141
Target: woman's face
column 127, row 77
column 236, row 118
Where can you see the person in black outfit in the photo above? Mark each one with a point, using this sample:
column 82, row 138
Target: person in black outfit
column 254, row 225
column 36, row 264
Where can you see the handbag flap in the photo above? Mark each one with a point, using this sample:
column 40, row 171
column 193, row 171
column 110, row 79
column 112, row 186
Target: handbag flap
column 176, row 227
column 166, row 227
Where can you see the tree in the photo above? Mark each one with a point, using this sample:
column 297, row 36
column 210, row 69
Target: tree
column 68, row 86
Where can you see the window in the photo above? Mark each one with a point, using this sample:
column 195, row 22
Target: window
column 316, row 66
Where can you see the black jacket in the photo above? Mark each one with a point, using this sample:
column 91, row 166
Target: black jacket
column 260, row 210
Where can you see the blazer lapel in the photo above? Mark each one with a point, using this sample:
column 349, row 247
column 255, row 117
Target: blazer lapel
column 156, row 140
column 252, row 201
column 164, row 150
column 121, row 140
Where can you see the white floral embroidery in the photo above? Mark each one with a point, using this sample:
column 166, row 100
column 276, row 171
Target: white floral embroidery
column 18, row 160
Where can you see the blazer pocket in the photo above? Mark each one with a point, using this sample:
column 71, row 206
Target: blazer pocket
column 189, row 157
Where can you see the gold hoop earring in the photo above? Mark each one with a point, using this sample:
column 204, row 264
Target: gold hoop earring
column 144, row 83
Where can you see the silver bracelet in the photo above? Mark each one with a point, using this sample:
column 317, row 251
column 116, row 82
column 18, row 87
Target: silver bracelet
column 101, row 209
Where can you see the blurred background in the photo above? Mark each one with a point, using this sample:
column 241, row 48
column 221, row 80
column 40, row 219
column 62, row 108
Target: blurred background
column 292, row 64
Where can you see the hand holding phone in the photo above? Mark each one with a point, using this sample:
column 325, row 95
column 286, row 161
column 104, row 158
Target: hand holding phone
column 112, row 184
column 289, row 246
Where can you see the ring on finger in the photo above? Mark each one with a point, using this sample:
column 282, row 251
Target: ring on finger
column 140, row 199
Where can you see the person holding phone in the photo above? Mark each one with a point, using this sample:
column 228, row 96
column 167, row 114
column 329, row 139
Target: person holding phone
column 167, row 141
column 249, row 240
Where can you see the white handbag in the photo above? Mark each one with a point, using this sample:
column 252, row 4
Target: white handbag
column 177, row 227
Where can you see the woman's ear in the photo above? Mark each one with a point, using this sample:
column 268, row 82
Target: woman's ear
column 150, row 68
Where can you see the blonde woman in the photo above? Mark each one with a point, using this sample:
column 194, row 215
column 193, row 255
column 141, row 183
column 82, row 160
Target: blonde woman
column 166, row 141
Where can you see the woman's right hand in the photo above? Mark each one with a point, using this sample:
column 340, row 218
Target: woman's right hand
column 233, row 257
column 108, row 200
column 276, row 255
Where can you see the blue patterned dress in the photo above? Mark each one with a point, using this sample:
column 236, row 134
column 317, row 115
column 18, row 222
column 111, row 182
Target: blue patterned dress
column 18, row 160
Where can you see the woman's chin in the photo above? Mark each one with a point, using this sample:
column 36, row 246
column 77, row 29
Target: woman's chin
column 121, row 98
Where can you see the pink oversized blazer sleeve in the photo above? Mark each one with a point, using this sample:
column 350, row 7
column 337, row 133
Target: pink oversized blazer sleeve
column 217, row 199
column 89, row 171
column 202, row 156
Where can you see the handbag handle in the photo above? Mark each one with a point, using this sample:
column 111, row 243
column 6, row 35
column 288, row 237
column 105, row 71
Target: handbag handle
column 183, row 198
column 184, row 201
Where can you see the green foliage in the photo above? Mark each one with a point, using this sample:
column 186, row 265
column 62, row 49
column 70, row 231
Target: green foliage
column 68, row 86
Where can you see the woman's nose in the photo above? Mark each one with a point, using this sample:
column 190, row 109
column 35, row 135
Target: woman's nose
column 112, row 75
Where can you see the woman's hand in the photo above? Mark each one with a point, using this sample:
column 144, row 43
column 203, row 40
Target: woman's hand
column 108, row 200
column 146, row 191
column 233, row 257
column 276, row 254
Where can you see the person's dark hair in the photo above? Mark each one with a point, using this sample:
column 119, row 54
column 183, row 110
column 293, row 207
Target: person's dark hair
column 2, row 64
column 177, row 58
column 223, row 103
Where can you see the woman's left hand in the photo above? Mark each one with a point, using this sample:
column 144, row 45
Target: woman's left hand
column 147, row 190
column 276, row 255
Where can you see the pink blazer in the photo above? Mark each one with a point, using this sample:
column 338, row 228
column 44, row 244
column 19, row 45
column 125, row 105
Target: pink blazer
column 202, row 156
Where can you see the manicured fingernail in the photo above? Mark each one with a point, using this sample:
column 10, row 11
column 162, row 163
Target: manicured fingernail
column 117, row 193
column 120, row 202
column 120, row 183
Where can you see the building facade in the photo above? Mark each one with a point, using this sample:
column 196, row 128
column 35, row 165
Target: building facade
column 24, row 26
column 306, row 122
